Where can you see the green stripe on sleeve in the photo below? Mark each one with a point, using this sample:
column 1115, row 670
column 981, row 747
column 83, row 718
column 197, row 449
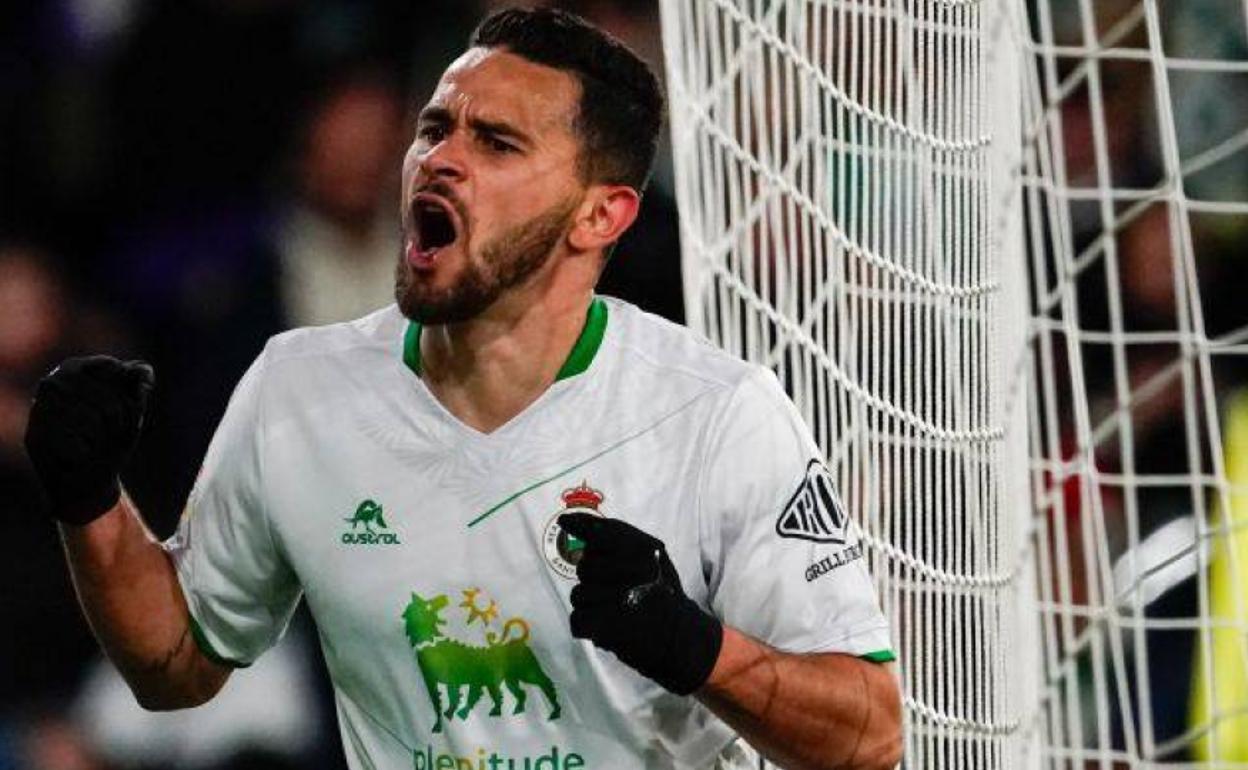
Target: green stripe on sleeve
column 879, row 656
column 201, row 641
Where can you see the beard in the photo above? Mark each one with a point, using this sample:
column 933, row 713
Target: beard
column 507, row 260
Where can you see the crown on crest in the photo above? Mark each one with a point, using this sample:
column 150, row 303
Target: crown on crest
column 582, row 497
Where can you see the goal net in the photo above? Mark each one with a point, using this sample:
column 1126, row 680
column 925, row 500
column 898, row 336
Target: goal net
column 978, row 241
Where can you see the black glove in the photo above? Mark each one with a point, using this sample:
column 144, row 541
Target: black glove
column 83, row 426
column 629, row 601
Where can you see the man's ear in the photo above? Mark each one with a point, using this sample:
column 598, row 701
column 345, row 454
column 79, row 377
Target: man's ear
column 604, row 215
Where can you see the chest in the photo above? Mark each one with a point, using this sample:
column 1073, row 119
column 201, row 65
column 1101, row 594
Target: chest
column 376, row 518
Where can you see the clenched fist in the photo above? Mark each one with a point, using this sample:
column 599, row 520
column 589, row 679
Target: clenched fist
column 83, row 426
column 629, row 601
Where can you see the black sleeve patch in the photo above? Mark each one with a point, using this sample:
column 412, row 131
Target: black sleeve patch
column 814, row 512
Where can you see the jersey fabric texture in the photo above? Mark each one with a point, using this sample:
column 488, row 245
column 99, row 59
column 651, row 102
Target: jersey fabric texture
column 430, row 558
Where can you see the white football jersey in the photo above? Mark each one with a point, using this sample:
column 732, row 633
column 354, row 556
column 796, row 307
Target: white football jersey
column 431, row 560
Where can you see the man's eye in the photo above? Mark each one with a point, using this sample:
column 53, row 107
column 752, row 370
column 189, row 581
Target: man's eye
column 498, row 145
column 431, row 133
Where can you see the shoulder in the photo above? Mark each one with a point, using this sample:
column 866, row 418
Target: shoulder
column 671, row 355
column 378, row 332
column 667, row 361
column 316, row 367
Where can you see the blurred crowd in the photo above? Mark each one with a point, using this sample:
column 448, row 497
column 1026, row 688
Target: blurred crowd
column 181, row 179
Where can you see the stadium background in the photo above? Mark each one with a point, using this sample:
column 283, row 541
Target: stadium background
column 180, row 179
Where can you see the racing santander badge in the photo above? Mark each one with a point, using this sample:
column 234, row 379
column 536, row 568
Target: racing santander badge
column 563, row 551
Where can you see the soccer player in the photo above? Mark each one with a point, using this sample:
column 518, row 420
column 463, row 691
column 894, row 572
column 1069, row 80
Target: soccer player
column 537, row 528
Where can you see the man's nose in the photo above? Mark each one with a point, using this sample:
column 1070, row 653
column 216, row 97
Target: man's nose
column 445, row 161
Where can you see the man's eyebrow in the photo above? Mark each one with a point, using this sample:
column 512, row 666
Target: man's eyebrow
column 498, row 128
column 442, row 116
column 433, row 114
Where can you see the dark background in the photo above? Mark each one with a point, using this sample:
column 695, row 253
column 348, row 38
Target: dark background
column 181, row 179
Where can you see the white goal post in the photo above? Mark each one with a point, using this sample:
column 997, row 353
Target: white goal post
column 920, row 214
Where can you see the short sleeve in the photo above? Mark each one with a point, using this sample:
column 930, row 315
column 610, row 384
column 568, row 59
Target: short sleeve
column 783, row 561
column 238, row 585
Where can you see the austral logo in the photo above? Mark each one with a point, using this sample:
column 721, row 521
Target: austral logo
column 562, row 550
column 368, row 515
column 814, row 513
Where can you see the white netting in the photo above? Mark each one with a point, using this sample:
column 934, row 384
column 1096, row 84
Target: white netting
column 1135, row 186
column 835, row 164
column 889, row 203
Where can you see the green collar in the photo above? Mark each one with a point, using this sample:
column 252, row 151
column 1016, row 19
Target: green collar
column 579, row 359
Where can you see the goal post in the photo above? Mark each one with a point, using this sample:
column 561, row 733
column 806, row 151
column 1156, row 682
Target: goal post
column 843, row 171
column 885, row 202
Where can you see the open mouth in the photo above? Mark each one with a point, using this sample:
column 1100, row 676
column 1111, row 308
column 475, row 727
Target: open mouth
column 434, row 226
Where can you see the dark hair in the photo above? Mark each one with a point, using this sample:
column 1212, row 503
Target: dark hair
column 621, row 106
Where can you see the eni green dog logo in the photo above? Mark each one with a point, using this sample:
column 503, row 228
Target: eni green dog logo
column 368, row 515
column 464, row 671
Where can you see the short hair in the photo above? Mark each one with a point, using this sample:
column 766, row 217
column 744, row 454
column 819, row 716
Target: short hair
column 621, row 105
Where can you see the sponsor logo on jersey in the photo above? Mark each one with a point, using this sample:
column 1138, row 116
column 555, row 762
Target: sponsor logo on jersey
column 562, row 550
column 485, row 759
column 364, row 523
column 814, row 513
column 835, row 561
column 457, row 672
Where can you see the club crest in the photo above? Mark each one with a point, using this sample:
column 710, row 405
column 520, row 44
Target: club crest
column 563, row 551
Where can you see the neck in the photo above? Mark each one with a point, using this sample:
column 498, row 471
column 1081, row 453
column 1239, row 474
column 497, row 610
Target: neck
column 487, row 370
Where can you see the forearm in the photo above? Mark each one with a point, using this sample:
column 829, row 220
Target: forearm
column 131, row 597
column 806, row 711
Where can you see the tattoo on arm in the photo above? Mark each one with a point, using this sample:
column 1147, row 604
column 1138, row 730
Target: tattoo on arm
column 163, row 665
